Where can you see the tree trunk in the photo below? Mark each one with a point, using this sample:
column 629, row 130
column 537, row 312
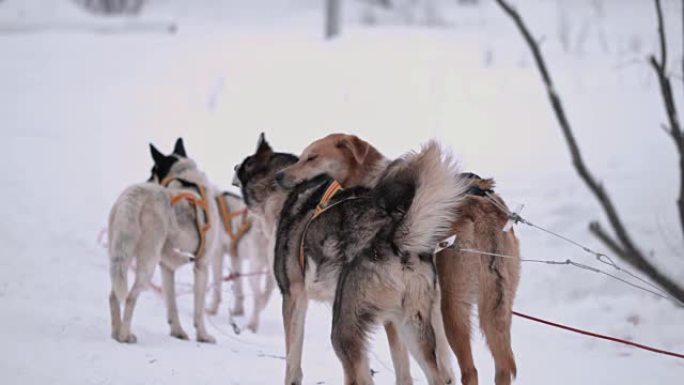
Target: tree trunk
column 333, row 15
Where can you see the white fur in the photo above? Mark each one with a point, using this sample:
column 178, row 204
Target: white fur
column 142, row 211
column 438, row 195
column 144, row 226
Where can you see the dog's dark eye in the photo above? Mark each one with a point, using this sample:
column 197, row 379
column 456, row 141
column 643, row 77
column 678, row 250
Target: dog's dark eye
column 311, row 158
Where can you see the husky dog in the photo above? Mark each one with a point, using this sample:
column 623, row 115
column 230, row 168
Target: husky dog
column 242, row 239
column 368, row 251
column 180, row 171
column 464, row 278
column 142, row 226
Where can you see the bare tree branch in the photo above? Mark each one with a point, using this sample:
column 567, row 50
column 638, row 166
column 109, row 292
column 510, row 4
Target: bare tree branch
column 641, row 264
column 607, row 240
column 623, row 246
column 661, row 35
column 675, row 130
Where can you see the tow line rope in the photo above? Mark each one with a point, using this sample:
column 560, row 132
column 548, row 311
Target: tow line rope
column 515, row 218
column 596, row 335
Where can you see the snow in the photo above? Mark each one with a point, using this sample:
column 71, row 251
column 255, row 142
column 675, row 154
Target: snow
column 78, row 108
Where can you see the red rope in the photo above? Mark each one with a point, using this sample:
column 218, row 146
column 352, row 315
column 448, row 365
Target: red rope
column 601, row 336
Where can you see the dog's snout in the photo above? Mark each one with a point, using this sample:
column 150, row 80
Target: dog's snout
column 236, row 181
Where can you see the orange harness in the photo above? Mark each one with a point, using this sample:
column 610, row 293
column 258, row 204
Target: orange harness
column 321, row 207
column 227, row 218
column 201, row 204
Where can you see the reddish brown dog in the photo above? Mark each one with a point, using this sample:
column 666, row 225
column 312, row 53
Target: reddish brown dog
column 464, row 277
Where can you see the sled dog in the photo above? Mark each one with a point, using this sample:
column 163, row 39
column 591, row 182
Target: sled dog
column 242, row 239
column 369, row 252
column 464, row 277
column 150, row 224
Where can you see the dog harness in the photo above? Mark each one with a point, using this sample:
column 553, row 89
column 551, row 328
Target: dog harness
column 474, row 189
column 321, row 207
column 227, row 219
column 197, row 198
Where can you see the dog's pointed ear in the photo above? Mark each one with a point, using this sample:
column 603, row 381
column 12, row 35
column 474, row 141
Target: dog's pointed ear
column 179, row 148
column 157, row 156
column 358, row 148
column 263, row 148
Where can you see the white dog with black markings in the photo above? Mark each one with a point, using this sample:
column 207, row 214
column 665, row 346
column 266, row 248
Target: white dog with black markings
column 152, row 224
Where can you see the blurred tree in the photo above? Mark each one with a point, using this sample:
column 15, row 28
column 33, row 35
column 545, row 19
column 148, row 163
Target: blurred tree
column 112, row 7
column 333, row 10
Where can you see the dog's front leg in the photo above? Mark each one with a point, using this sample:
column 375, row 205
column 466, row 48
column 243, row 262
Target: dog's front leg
column 295, row 304
column 217, row 282
column 400, row 355
column 201, row 272
column 238, row 291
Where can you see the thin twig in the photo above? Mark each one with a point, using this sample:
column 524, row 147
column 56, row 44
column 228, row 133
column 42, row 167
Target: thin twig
column 606, row 239
column 624, row 243
column 661, row 35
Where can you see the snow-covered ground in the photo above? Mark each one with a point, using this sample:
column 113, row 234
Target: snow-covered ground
column 78, row 107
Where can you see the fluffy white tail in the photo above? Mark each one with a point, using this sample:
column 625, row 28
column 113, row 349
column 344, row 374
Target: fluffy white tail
column 119, row 277
column 125, row 232
column 438, row 194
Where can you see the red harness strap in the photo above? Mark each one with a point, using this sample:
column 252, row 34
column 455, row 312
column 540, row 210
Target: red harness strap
column 227, row 218
column 202, row 206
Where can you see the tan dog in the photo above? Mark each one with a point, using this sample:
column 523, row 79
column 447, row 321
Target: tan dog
column 464, row 277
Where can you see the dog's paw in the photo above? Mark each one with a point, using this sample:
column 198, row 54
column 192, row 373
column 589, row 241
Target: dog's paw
column 180, row 334
column 206, row 338
column 294, row 378
column 129, row 338
column 212, row 309
column 253, row 326
column 448, row 377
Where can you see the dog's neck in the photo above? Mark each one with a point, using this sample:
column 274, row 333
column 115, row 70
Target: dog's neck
column 271, row 210
column 367, row 173
column 267, row 204
column 187, row 169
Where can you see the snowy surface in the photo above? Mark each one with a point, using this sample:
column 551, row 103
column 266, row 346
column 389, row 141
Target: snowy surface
column 79, row 106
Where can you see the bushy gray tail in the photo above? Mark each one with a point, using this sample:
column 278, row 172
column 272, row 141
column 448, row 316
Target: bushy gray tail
column 432, row 176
